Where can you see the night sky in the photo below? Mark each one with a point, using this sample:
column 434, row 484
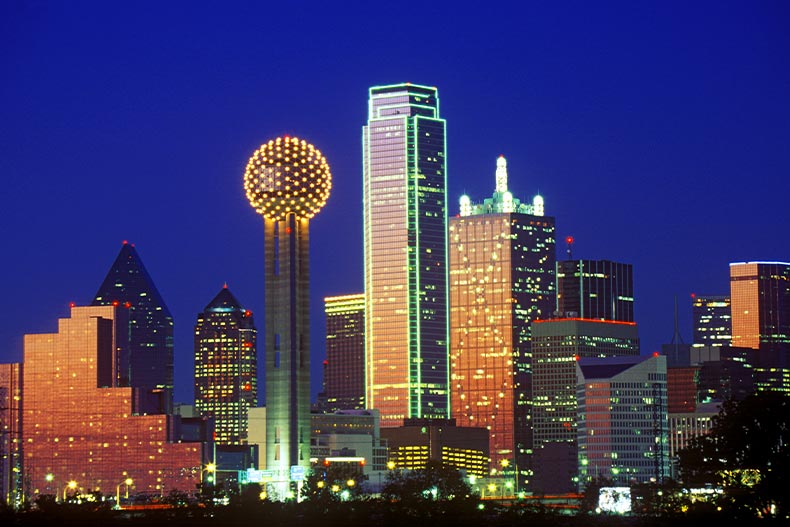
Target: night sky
column 657, row 133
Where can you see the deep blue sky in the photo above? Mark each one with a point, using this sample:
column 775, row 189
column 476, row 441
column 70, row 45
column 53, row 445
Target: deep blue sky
column 658, row 134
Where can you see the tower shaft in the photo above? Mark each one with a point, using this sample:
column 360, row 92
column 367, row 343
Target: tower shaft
column 287, row 344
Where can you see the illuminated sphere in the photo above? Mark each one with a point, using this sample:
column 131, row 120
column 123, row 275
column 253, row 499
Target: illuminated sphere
column 287, row 175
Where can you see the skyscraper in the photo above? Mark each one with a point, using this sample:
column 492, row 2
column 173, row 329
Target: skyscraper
column 405, row 254
column 344, row 375
column 147, row 364
column 557, row 344
column 760, row 296
column 712, row 320
column 501, row 278
column 78, row 425
column 287, row 181
column 595, row 289
column 623, row 425
column 226, row 367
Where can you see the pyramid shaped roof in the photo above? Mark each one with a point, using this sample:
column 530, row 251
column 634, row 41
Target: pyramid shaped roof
column 129, row 281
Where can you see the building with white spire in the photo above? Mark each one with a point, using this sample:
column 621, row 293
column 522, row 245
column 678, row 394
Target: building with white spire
column 501, row 255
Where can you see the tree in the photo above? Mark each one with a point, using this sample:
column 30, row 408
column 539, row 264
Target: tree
column 746, row 453
column 437, row 493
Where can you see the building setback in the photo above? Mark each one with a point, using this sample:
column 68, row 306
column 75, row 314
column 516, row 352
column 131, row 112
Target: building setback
column 405, row 254
column 79, row 425
column 501, row 278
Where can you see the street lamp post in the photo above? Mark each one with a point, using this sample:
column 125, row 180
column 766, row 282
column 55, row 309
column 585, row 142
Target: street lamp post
column 71, row 485
column 211, row 468
column 127, row 482
column 49, row 478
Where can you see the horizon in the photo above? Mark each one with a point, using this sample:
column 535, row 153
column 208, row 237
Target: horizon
column 656, row 135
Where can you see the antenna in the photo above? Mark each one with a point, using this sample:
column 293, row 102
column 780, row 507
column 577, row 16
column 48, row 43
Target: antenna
column 676, row 338
column 569, row 241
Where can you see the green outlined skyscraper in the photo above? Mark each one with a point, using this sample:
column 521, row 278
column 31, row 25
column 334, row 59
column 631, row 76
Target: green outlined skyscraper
column 405, row 250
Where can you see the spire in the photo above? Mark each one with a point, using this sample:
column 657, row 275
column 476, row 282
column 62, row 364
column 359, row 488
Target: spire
column 501, row 174
column 676, row 338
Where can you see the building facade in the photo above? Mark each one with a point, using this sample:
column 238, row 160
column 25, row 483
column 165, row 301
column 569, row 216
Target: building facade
column 623, row 425
column 501, row 278
column 405, row 254
column 226, row 367
column 595, row 290
column 79, row 425
column 344, row 371
column 418, row 441
column 760, row 302
column 557, row 345
column 147, row 364
column 711, row 320
column 11, row 488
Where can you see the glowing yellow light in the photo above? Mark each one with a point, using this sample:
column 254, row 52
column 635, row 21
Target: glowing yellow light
column 265, row 178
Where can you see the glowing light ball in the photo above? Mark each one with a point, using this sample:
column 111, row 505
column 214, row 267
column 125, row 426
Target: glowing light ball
column 287, row 175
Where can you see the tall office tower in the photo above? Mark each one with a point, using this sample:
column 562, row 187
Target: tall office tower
column 501, row 278
column 595, row 289
column 287, row 181
column 760, row 296
column 78, row 425
column 405, row 254
column 344, row 375
column 11, row 488
column 557, row 344
column 226, row 367
column 148, row 363
column 623, row 425
column 712, row 320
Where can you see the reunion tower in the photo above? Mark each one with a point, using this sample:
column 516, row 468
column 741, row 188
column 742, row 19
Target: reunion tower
column 287, row 181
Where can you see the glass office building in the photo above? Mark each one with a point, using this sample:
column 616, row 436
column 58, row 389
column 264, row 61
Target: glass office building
column 711, row 320
column 78, row 425
column 760, row 303
column 501, row 278
column 595, row 289
column 405, row 254
column 344, row 370
column 226, row 367
column 147, row 364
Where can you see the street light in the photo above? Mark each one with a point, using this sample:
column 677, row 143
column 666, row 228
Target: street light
column 127, row 482
column 70, row 485
column 211, row 468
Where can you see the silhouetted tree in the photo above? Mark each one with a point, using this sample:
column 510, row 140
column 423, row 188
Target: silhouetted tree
column 746, row 453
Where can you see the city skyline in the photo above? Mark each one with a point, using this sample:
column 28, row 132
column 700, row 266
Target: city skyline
column 656, row 139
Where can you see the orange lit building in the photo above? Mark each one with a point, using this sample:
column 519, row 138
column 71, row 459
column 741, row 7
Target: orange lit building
column 501, row 278
column 78, row 426
column 760, row 305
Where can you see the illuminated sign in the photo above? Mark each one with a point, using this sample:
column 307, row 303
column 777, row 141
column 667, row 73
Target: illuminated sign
column 297, row 473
